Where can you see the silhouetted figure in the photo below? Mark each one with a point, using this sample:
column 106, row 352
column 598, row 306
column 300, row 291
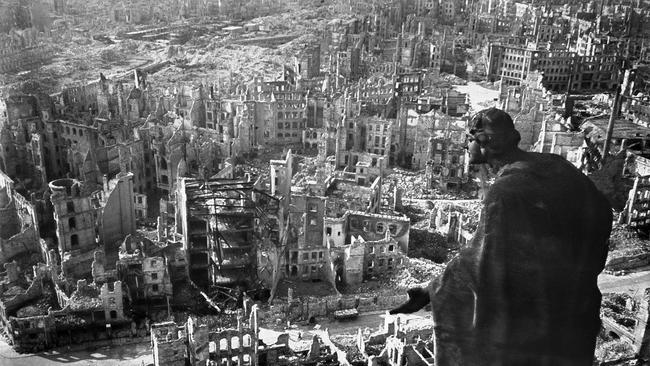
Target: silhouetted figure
column 524, row 291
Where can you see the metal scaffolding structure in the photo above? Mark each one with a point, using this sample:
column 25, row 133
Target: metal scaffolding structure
column 228, row 218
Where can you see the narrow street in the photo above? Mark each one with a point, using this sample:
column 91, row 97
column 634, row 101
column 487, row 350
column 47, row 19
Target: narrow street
column 630, row 283
column 131, row 355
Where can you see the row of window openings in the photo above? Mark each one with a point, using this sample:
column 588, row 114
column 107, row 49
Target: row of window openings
column 288, row 125
column 512, row 74
column 305, row 256
column 410, row 89
column 514, row 58
column 557, row 78
column 382, row 249
column 377, row 92
column 513, row 66
column 346, row 158
column 246, row 360
column 516, row 52
column 381, row 262
column 289, row 96
column 282, row 115
column 305, row 270
column 378, row 128
column 377, row 140
column 74, row 131
column 379, row 227
column 210, row 116
column 566, row 61
column 234, row 343
column 437, row 158
column 556, row 70
column 295, row 134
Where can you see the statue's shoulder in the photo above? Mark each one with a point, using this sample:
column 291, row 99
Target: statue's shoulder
column 527, row 176
column 538, row 166
column 508, row 187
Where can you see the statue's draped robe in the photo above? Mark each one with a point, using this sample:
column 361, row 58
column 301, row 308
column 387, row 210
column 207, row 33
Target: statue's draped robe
column 524, row 291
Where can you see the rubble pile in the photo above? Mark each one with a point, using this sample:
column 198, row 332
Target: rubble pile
column 609, row 349
column 471, row 212
column 220, row 59
column 187, row 297
column 86, row 300
column 41, row 305
column 453, row 79
column 417, row 272
column 69, row 320
column 412, row 184
column 627, row 251
column 296, row 45
column 228, row 319
column 310, row 170
column 416, row 213
column 347, row 344
column 12, row 291
column 417, row 326
column 429, row 245
column 78, row 61
column 243, row 61
column 301, row 288
column 256, row 169
column 303, row 20
column 300, row 345
column 374, row 349
column 624, row 241
column 620, row 308
column 31, row 310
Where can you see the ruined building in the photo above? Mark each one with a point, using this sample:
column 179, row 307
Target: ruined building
column 200, row 342
column 48, row 313
column 563, row 70
column 146, row 274
column 344, row 235
column 22, row 49
column 398, row 343
column 224, row 222
column 364, row 245
column 88, row 220
column 19, row 229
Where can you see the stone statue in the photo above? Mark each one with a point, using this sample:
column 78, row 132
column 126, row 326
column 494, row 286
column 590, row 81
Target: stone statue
column 524, row 291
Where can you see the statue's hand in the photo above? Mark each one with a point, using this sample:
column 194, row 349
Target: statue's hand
column 418, row 299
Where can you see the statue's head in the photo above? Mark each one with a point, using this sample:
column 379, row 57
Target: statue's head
column 492, row 134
